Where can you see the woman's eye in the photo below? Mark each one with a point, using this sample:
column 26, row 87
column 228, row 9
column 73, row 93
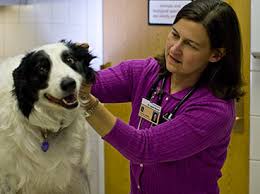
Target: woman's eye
column 175, row 35
column 192, row 46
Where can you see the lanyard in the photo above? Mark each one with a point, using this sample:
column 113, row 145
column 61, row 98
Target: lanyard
column 155, row 90
column 170, row 115
column 159, row 92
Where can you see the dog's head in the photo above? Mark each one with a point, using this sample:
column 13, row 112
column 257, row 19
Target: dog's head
column 50, row 76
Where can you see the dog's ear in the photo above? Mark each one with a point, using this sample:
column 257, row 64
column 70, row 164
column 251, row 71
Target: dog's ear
column 29, row 77
column 83, row 57
column 21, row 89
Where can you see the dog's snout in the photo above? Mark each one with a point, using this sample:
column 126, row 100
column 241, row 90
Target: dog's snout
column 68, row 84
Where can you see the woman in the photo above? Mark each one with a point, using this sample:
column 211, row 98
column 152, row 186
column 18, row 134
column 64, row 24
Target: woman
column 192, row 87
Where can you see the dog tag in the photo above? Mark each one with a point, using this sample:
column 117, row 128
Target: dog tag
column 45, row 146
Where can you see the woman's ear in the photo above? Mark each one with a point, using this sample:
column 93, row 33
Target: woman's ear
column 217, row 54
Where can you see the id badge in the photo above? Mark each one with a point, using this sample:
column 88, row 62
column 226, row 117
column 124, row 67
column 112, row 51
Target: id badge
column 150, row 111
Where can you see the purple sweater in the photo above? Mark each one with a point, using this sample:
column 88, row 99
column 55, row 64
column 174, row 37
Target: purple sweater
column 182, row 156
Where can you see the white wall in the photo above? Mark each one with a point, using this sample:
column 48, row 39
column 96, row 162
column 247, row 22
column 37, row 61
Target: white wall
column 254, row 100
column 23, row 27
column 255, row 126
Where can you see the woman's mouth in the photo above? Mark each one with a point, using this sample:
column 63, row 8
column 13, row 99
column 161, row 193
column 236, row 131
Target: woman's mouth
column 173, row 60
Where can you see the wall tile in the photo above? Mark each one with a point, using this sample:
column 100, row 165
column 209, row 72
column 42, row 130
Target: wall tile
column 27, row 13
column 255, row 28
column 59, row 32
column 43, row 11
column 255, row 138
column 77, row 33
column 2, row 59
column 254, row 186
column 2, row 14
column 43, row 33
column 19, row 38
column 60, row 11
column 2, row 26
column 12, row 14
column 255, row 64
column 77, row 12
column 255, row 93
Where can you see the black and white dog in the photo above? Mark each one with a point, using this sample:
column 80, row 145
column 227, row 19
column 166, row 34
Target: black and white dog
column 43, row 133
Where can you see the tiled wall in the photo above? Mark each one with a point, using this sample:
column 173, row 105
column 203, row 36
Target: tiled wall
column 255, row 127
column 41, row 21
column 23, row 27
column 254, row 100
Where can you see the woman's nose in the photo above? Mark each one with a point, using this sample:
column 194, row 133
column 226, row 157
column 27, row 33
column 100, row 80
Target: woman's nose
column 176, row 48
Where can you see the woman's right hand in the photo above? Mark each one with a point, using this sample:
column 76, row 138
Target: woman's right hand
column 84, row 93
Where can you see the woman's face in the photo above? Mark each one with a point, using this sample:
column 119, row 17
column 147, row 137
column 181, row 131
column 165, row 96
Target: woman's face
column 187, row 49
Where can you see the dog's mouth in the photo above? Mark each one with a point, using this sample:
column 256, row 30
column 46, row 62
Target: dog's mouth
column 68, row 102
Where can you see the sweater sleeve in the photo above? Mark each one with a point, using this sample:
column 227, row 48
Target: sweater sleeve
column 197, row 128
column 118, row 83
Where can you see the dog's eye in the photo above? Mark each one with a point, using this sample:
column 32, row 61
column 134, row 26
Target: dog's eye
column 43, row 67
column 70, row 60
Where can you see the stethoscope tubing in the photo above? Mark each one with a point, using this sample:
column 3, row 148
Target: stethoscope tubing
column 154, row 91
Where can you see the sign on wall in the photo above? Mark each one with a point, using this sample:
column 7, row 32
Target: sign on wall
column 163, row 12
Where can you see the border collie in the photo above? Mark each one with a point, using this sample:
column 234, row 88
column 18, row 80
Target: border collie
column 43, row 133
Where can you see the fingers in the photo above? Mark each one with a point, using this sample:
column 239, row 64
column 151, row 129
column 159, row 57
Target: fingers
column 85, row 89
column 83, row 45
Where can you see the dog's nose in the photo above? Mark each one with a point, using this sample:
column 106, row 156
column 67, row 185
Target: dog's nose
column 68, row 84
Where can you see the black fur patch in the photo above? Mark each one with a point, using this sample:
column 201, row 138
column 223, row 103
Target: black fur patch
column 79, row 58
column 31, row 76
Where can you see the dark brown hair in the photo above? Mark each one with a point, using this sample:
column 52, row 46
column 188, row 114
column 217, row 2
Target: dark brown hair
column 224, row 78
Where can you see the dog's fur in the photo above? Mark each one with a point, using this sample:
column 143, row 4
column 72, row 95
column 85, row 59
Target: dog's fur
column 32, row 87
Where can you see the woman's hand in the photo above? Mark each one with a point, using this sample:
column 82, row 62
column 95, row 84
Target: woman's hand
column 84, row 93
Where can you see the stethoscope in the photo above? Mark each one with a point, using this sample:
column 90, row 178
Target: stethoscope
column 158, row 91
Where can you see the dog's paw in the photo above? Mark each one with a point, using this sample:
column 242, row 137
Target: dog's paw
column 7, row 185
